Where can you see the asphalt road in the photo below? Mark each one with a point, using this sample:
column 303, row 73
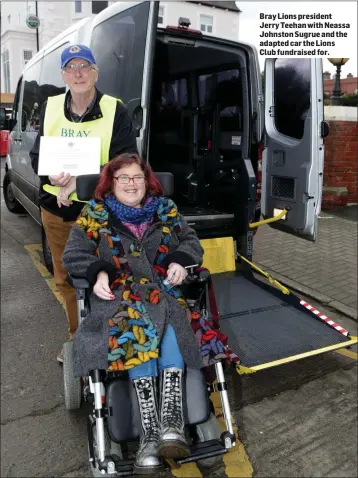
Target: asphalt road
column 296, row 420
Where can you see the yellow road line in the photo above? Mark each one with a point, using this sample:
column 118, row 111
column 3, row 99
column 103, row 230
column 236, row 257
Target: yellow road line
column 35, row 252
column 189, row 470
column 237, row 463
column 348, row 353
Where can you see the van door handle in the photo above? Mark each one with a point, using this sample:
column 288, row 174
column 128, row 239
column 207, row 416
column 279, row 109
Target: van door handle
column 324, row 129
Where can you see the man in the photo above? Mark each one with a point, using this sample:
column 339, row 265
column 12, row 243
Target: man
column 83, row 111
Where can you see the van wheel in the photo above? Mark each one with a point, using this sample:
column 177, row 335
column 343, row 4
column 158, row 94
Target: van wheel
column 46, row 252
column 11, row 202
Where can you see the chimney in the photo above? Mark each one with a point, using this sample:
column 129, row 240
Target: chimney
column 326, row 75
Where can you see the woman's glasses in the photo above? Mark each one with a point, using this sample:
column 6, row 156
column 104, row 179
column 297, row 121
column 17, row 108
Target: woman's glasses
column 82, row 67
column 125, row 179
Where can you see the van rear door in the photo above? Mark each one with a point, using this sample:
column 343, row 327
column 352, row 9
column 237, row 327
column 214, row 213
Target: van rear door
column 123, row 41
column 292, row 164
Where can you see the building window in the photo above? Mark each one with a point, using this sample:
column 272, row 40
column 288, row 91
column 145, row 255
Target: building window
column 97, row 7
column 78, row 7
column 206, row 24
column 6, row 70
column 27, row 55
column 161, row 16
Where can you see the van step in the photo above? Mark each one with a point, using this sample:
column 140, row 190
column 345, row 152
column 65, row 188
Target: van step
column 206, row 449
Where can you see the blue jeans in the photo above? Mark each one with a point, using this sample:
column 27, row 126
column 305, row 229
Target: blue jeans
column 169, row 356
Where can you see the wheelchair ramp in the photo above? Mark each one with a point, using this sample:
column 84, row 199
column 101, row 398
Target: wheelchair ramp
column 264, row 328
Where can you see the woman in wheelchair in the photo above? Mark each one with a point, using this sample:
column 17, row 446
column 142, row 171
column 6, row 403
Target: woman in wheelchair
column 133, row 246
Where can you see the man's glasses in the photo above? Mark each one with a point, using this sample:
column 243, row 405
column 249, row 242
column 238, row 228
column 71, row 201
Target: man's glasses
column 125, row 179
column 82, row 67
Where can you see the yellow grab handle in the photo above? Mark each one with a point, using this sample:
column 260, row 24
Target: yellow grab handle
column 252, row 225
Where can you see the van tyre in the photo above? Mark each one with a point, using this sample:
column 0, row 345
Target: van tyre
column 11, row 202
column 46, row 252
column 72, row 385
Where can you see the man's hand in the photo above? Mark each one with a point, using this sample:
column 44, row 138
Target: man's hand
column 101, row 287
column 60, row 180
column 65, row 192
column 176, row 273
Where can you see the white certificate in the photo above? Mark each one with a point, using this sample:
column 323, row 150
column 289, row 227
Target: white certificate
column 75, row 156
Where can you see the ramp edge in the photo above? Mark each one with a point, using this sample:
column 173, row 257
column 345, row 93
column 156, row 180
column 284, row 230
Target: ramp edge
column 243, row 370
column 324, row 318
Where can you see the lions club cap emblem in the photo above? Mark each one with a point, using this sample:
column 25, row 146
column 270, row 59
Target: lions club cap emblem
column 74, row 49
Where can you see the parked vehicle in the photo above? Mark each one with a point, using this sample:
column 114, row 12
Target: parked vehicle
column 197, row 105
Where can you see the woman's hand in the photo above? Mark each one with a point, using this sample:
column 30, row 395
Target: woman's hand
column 65, row 192
column 176, row 273
column 101, row 287
column 60, row 180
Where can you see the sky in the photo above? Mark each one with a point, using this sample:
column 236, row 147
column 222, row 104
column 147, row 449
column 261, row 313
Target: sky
column 342, row 12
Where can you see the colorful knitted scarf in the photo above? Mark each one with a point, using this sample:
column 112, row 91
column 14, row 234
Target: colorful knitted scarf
column 132, row 336
column 130, row 214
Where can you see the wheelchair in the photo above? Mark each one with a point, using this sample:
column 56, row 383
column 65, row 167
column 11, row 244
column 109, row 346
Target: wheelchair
column 115, row 418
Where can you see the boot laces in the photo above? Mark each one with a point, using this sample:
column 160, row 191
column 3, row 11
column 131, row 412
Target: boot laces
column 172, row 409
column 148, row 411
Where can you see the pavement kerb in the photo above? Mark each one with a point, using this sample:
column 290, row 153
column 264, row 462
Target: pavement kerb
column 312, row 293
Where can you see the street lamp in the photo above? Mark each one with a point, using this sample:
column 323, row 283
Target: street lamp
column 336, row 93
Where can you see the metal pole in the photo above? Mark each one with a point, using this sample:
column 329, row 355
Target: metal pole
column 37, row 30
column 336, row 93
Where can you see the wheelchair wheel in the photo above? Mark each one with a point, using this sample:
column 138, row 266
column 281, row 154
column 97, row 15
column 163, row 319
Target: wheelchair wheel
column 209, row 430
column 72, row 384
column 112, row 448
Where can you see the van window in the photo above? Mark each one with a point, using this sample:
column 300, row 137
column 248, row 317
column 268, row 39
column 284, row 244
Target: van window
column 118, row 45
column 51, row 79
column 31, row 104
column 292, row 95
column 16, row 114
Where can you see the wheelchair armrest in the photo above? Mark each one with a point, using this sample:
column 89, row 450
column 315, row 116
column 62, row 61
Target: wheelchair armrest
column 199, row 274
column 202, row 274
column 77, row 282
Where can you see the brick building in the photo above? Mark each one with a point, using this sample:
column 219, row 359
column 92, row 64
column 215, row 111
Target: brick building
column 348, row 85
column 340, row 176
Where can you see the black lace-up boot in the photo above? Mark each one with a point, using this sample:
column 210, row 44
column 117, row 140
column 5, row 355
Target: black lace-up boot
column 172, row 442
column 147, row 460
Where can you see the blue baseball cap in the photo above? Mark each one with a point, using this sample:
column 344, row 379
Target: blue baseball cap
column 76, row 51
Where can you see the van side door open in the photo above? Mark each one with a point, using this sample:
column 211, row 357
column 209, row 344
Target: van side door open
column 292, row 165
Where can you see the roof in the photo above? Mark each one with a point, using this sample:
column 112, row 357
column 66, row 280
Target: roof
column 223, row 5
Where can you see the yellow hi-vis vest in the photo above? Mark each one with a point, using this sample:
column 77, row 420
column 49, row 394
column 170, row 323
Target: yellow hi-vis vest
column 56, row 124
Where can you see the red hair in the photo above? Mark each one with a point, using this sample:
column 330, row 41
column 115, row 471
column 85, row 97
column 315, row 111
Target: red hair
column 105, row 183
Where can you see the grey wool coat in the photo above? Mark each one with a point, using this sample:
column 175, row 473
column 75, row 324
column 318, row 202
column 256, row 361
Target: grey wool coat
column 80, row 259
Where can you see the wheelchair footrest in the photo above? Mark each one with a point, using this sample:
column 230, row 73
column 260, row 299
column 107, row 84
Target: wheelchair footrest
column 124, row 467
column 206, row 449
